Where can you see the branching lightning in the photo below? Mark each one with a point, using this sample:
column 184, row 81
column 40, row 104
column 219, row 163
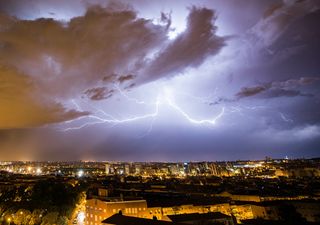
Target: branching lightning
column 165, row 98
column 285, row 118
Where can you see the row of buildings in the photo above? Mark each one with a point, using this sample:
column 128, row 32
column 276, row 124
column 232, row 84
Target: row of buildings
column 268, row 168
column 237, row 209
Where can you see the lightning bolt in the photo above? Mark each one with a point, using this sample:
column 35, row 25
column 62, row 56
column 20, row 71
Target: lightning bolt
column 285, row 118
column 170, row 100
column 112, row 120
column 128, row 97
column 166, row 98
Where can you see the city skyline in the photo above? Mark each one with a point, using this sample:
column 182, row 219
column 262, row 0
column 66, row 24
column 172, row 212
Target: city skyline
column 159, row 80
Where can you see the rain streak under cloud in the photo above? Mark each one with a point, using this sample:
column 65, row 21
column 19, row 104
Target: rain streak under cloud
column 159, row 80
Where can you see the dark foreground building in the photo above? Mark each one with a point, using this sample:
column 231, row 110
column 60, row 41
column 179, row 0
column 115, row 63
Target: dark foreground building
column 193, row 219
column 202, row 218
column 119, row 219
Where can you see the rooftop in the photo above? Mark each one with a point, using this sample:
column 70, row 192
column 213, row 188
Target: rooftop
column 118, row 219
column 198, row 216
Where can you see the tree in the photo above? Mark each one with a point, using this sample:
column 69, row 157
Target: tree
column 36, row 216
column 22, row 216
column 62, row 220
column 50, row 218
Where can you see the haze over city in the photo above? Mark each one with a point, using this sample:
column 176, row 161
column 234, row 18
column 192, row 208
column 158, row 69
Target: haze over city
column 159, row 80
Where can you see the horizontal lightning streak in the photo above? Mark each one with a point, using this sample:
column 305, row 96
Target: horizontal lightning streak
column 115, row 121
column 161, row 100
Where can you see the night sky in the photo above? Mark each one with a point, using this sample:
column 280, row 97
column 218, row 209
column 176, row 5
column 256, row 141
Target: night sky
column 161, row 80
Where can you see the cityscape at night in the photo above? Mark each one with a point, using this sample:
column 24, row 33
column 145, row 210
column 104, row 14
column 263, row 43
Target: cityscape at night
column 159, row 112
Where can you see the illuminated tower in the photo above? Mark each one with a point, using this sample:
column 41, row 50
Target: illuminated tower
column 127, row 169
column 186, row 168
column 107, row 168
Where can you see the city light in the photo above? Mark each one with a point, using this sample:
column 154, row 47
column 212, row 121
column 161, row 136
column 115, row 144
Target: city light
column 38, row 171
column 80, row 173
column 81, row 217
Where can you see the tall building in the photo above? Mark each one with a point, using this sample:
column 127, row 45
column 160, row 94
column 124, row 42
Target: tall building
column 186, row 168
column 138, row 169
column 127, row 169
column 107, row 168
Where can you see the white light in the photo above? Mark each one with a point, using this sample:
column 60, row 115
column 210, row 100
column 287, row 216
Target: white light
column 38, row 171
column 80, row 173
column 81, row 216
column 172, row 34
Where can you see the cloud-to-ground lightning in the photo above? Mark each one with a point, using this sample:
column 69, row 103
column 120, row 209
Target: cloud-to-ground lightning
column 165, row 98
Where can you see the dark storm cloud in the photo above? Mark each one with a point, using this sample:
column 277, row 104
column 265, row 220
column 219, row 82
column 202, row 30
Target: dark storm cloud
column 98, row 93
column 24, row 105
column 268, row 91
column 277, row 18
column 279, row 88
column 53, row 60
column 189, row 49
column 275, row 93
column 66, row 59
column 124, row 78
column 291, row 83
column 251, row 91
column 100, row 42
